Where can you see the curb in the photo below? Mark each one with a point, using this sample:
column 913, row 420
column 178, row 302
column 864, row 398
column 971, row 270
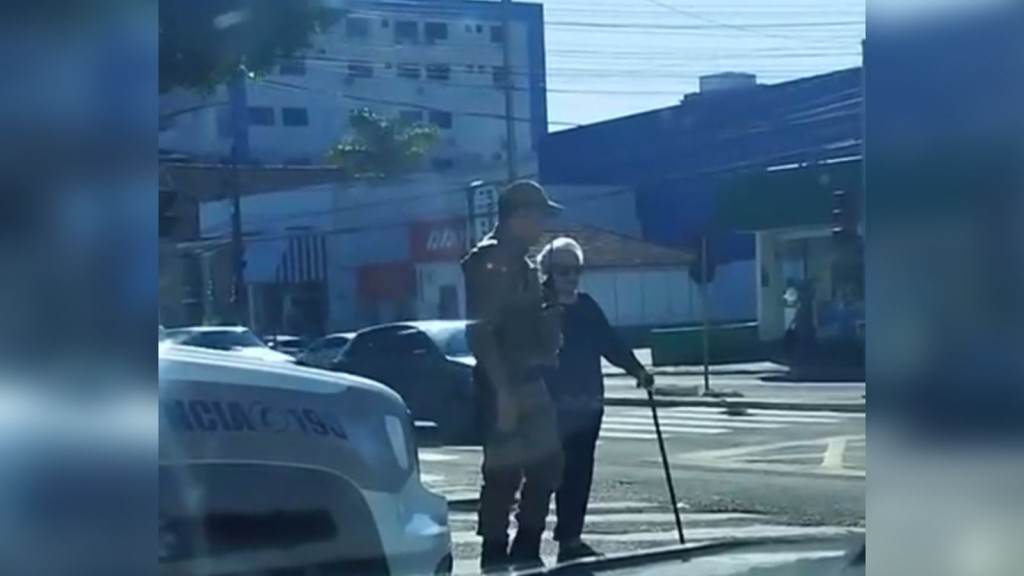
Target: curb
column 673, row 371
column 700, row 402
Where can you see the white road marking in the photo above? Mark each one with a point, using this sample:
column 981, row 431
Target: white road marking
column 664, row 428
column 733, row 423
column 694, row 534
column 834, row 451
column 627, row 435
column 430, row 456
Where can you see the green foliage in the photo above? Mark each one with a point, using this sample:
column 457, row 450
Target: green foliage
column 380, row 147
column 204, row 43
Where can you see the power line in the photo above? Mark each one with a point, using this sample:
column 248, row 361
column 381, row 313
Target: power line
column 721, row 137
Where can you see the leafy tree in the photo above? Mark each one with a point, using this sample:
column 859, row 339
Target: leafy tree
column 380, row 147
column 204, row 43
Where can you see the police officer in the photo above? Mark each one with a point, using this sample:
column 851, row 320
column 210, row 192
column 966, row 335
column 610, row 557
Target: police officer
column 515, row 333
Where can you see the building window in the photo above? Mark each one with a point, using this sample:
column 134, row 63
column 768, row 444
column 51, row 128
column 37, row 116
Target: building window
column 357, row 28
column 441, row 119
column 497, row 34
column 261, row 116
column 294, row 67
column 407, row 32
column 479, row 28
column 385, row 23
column 439, row 72
column 410, row 71
column 435, row 32
column 410, row 117
column 294, row 117
column 360, row 70
column 500, row 76
column 470, row 68
column 442, row 164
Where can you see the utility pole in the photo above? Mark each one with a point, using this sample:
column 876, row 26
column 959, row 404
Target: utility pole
column 705, row 308
column 239, row 151
column 512, row 153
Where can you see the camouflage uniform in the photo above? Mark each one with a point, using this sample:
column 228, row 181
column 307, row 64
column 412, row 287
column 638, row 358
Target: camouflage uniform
column 523, row 334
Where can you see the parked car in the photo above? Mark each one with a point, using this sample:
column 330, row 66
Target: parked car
column 236, row 339
column 321, row 353
column 299, row 471
column 428, row 363
column 290, row 345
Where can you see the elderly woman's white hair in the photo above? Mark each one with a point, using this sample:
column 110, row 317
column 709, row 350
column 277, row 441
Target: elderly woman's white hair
column 562, row 243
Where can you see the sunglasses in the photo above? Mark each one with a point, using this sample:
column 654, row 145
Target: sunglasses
column 564, row 271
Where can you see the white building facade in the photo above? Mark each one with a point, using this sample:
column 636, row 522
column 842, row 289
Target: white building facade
column 438, row 61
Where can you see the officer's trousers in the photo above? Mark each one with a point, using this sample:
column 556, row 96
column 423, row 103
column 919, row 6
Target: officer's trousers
column 530, row 456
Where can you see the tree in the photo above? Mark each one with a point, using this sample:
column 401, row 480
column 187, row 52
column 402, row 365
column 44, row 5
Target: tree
column 204, row 44
column 379, row 147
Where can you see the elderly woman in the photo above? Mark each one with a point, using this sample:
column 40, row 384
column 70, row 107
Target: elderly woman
column 577, row 386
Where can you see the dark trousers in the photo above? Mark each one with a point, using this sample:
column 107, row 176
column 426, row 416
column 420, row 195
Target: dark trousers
column 579, row 443
column 526, row 460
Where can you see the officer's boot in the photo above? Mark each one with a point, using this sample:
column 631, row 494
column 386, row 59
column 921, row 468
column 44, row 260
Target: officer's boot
column 494, row 556
column 525, row 552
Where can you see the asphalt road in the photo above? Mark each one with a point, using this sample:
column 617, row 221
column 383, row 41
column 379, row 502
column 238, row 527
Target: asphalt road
column 759, row 473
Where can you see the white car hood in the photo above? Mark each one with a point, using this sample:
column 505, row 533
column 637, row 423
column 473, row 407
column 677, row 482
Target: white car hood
column 264, row 354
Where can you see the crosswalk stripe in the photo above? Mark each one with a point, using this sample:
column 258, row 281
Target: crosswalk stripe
column 664, row 428
column 634, row 517
column 692, row 534
column 627, row 435
column 429, row 456
column 689, row 422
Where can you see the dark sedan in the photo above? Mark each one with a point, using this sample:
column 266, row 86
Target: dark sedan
column 428, row 363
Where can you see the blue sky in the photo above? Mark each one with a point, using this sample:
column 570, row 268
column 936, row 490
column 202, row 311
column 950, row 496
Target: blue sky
column 608, row 58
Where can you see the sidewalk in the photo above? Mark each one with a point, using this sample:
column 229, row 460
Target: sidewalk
column 754, row 385
column 738, row 394
column 742, row 368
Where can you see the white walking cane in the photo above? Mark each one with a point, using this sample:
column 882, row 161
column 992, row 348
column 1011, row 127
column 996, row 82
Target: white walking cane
column 664, row 463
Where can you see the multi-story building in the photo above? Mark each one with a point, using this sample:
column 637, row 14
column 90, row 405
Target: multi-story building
column 438, row 61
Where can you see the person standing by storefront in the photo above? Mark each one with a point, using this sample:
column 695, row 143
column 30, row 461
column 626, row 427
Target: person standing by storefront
column 576, row 386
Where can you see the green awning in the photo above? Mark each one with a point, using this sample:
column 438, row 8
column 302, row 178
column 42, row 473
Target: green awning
column 784, row 198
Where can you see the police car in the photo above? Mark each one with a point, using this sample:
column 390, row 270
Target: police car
column 270, row 468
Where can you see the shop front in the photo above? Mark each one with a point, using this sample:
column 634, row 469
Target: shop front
column 809, row 242
column 436, row 248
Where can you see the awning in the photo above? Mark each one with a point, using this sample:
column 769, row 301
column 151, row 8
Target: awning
column 787, row 198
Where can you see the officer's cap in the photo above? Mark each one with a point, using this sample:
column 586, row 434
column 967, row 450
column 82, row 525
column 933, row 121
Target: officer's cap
column 526, row 195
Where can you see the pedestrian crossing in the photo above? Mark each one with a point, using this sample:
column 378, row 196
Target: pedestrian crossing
column 621, row 526
column 625, row 423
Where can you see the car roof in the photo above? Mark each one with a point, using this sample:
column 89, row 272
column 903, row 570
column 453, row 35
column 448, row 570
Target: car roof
column 186, row 362
column 424, row 325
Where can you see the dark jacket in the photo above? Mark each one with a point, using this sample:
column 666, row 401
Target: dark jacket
column 577, row 385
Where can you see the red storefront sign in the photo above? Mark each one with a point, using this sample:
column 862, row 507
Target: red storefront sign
column 394, row 281
column 438, row 240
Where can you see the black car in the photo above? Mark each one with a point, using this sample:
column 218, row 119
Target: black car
column 321, row 353
column 428, row 363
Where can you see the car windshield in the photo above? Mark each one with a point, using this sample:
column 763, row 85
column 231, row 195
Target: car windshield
column 450, row 340
column 222, row 339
